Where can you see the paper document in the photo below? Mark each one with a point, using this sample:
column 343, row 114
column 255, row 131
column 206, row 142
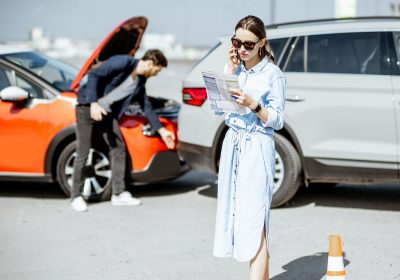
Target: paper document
column 218, row 86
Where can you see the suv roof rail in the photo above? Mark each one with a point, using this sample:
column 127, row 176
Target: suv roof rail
column 277, row 25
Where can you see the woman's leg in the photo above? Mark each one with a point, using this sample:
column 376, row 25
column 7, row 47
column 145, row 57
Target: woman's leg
column 259, row 269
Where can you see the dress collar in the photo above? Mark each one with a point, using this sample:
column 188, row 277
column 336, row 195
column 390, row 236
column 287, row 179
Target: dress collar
column 256, row 68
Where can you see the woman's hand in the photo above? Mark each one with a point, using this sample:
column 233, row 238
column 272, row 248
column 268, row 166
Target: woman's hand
column 233, row 61
column 243, row 99
column 168, row 137
column 246, row 101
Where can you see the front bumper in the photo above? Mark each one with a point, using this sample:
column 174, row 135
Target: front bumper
column 164, row 165
column 197, row 157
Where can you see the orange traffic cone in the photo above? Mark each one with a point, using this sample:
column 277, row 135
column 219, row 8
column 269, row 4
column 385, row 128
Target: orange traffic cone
column 335, row 269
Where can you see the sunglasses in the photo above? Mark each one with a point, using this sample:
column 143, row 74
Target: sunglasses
column 248, row 45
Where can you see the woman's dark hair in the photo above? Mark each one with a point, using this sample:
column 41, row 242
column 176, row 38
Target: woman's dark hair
column 257, row 27
column 157, row 57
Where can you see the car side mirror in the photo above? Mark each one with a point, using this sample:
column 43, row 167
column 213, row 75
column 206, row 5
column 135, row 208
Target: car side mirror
column 14, row 94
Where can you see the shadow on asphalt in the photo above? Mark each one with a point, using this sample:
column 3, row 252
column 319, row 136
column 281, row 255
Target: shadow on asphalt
column 306, row 268
column 375, row 197
column 211, row 190
column 188, row 182
column 32, row 190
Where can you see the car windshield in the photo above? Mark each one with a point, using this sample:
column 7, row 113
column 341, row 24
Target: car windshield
column 55, row 72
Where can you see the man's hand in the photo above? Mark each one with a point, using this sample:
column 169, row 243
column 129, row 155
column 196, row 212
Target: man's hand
column 96, row 111
column 168, row 137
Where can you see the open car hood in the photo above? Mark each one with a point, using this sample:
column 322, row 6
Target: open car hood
column 124, row 39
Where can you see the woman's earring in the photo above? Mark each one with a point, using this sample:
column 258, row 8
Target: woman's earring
column 259, row 52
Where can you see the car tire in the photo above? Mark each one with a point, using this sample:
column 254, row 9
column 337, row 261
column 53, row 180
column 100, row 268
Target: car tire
column 288, row 168
column 97, row 171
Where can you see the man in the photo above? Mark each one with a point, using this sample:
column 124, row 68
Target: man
column 110, row 89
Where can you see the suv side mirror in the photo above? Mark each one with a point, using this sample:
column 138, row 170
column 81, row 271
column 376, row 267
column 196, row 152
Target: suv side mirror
column 14, row 94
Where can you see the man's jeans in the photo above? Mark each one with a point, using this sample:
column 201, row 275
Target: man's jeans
column 111, row 133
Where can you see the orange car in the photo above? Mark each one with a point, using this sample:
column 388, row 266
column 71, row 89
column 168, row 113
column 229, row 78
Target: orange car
column 37, row 121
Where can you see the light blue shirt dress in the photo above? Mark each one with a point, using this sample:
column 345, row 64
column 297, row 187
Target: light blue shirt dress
column 247, row 165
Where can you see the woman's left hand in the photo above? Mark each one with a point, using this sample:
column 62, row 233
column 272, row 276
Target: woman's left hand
column 242, row 98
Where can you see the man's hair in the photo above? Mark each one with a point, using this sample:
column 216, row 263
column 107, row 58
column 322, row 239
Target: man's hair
column 157, row 57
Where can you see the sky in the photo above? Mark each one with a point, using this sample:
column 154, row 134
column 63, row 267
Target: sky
column 194, row 23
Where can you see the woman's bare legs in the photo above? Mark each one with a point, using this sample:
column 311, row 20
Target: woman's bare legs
column 259, row 269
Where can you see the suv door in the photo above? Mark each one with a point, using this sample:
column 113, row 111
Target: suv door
column 340, row 105
column 23, row 127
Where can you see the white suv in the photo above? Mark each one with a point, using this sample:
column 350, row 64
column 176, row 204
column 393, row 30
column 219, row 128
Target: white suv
column 342, row 114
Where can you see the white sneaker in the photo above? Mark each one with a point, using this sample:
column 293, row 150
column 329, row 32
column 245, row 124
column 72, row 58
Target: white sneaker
column 79, row 204
column 125, row 199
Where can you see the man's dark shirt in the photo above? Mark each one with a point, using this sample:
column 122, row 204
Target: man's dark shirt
column 110, row 74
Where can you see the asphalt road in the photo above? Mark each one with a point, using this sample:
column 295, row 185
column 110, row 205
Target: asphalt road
column 171, row 235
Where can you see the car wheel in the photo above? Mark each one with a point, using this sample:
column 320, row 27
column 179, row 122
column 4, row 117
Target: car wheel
column 287, row 171
column 97, row 185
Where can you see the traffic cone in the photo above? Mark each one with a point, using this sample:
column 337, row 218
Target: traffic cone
column 335, row 269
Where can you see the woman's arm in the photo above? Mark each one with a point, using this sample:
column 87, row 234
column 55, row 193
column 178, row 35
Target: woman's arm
column 245, row 100
column 276, row 104
column 273, row 114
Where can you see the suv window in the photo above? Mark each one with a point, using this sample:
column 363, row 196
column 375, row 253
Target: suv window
column 296, row 56
column 396, row 54
column 277, row 46
column 352, row 53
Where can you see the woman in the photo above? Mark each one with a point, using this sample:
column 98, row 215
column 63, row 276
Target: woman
column 247, row 165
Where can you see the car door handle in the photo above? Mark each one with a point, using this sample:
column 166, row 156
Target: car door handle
column 294, row 98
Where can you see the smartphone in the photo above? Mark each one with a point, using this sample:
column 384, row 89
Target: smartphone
column 237, row 56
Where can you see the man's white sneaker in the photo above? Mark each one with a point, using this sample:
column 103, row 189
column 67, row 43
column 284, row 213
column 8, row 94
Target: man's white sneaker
column 125, row 199
column 79, row 204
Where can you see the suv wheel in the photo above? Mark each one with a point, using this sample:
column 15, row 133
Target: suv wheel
column 287, row 171
column 97, row 172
